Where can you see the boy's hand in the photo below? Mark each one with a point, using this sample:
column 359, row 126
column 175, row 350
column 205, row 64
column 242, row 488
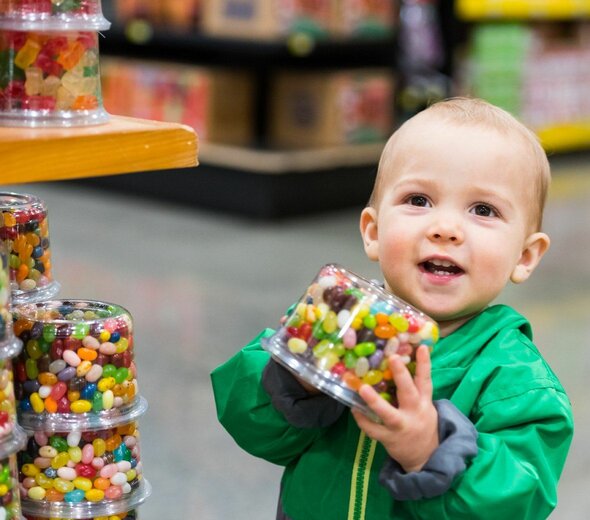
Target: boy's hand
column 408, row 433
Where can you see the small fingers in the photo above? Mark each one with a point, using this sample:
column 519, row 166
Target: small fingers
column 388, row 415
column 407, row 393
column 423, row 377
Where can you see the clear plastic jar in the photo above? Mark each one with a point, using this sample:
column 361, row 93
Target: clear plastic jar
column 50, row 79
column 77, row 368
column 10, row 508
column 341, row 332
column 82, row 474
column 127, row 515
column 62, row 15
column 24, row 231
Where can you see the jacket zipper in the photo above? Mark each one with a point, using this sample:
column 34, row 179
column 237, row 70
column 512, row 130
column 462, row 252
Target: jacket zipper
column 361, row 470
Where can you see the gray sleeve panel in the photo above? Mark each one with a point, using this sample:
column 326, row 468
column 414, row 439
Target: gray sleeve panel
column 301, row 409
column 457, row 443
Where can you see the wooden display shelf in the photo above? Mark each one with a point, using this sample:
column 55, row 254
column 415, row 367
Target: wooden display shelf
column 566, row 137
column 522, row 9
column 123, row 145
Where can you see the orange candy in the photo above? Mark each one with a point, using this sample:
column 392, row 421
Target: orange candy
column 87, row 354
column 352, row 381
column 384, row 331
column 50, row 404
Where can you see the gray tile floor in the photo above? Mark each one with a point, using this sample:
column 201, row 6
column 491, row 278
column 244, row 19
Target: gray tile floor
column 199, row 285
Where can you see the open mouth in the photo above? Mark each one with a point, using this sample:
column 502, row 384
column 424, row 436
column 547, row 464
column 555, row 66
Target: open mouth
column 441, row 268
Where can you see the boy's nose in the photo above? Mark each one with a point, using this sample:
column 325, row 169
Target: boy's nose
column 446, row 231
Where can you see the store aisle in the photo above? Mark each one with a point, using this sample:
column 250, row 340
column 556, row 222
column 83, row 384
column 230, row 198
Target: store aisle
column 200, row 285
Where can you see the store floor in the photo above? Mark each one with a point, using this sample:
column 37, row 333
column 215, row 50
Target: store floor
column 200, row 285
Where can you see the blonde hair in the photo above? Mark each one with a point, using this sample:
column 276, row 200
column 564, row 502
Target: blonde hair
column 471, row 111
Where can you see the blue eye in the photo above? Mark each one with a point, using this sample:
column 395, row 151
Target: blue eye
column 418, row 200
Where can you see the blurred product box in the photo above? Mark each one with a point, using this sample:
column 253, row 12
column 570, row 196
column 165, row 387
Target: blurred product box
column 267, row 19
column 366, row 18
column 314, row 109
column 217, row 103
column 181, row 14
column 317, row 18
column 540, row 72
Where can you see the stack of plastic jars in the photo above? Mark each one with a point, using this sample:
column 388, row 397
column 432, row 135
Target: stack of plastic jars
column 12, row 438
column 76, row 387
column 49, row 63
column 24, row 232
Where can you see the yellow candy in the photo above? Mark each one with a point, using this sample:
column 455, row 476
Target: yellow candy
column 83, row 368
column 297, row 345
column 301, row 309
column 99, row 446
column 43, row 481
column 131, row 474
column 106, row 383
column 75, row 454
column 108, row 400
column 37, row 403
column 73, row 395
column 328, row 361
column 82, row 483
column 62, row 485
column 3, row 490
column 94, row 495
column 60, row 460
column 122, row 345
column 36, row 493
column 399, row 322
column 373, row 377
column 30, row 470
column 105, row 335
column 81, row 406
column 330, row 322
column 363, row 311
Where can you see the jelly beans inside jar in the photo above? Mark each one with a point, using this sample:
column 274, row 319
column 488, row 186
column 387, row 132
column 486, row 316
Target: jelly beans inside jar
column 24, row 231
column 52, row 14
column 50, row 79
column 82, row 473
column 77, row 364
column 340, row 334
column 10, row 508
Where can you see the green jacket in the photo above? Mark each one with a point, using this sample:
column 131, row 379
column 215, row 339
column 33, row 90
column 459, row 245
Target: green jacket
column 489, row 369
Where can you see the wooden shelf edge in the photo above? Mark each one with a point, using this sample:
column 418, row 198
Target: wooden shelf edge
column 123, row 145
column 290, row 161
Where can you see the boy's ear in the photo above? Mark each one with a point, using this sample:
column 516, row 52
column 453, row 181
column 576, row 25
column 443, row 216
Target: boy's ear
column 536, row 246
column 368, row 226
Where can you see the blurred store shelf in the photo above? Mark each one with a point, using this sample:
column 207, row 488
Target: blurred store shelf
column 523, row 9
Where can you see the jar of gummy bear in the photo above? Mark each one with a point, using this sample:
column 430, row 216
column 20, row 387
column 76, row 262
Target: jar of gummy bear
column 82, row 474
column 341, row 332
column 50, row 78
column 77, row 365
column 25, row 15
column 24, row 232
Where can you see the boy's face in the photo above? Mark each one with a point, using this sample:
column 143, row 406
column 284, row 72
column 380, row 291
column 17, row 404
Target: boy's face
column 452, row 220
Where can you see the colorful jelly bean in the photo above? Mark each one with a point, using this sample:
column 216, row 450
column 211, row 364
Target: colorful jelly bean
column 61, row 371
column 25, row 235
column 54, row 79
column 75, row 467
column 346, row 327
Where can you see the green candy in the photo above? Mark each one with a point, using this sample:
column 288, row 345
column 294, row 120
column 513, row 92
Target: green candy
column 59, row 443
column 365, row 349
